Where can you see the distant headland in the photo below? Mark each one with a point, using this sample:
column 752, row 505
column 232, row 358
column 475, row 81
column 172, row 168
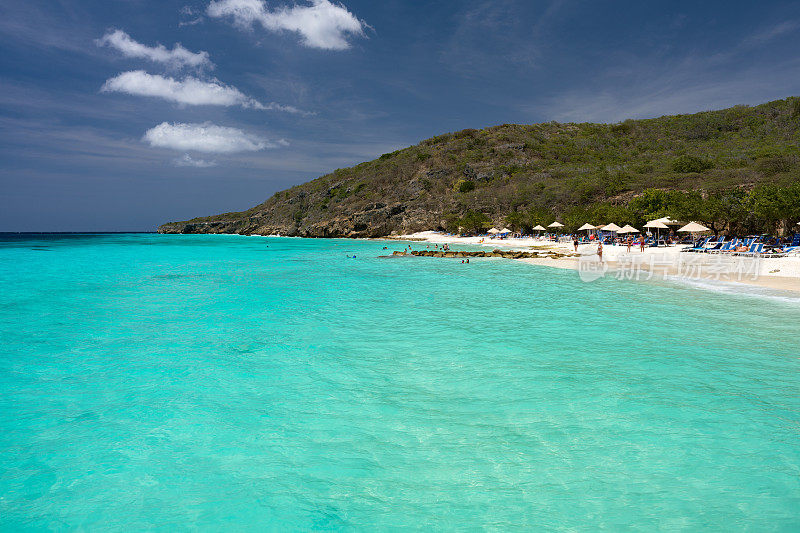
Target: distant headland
column 735, row 166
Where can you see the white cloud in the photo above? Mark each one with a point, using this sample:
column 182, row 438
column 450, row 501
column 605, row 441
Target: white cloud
column 177, row 57
column 190, row 16
column 772, row 32
column 322, row 24
column 188, row 91
column 206, row 137
column 189, row 161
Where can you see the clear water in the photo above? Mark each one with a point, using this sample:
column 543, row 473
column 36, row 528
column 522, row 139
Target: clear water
column 235, row 383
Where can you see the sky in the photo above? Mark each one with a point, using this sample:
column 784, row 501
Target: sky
column 123, row 115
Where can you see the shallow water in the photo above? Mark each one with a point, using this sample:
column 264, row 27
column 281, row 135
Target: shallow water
column 225, row 382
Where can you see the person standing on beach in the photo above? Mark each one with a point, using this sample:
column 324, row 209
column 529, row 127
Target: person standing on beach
column 642, row 243
column 629, row 242
column 575, row 243
column 600, row 250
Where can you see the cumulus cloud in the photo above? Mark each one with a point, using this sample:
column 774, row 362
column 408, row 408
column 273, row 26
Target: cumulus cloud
column 189, row 161
column 188, row 91
column 321, row 24
column 177, row 57
column 206, row 137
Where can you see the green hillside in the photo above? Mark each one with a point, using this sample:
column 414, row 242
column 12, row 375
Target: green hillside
column 738, row 165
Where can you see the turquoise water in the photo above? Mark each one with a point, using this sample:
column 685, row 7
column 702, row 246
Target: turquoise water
column 245, row 383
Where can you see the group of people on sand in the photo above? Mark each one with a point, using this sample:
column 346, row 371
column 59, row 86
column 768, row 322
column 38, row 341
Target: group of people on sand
column 629, row 242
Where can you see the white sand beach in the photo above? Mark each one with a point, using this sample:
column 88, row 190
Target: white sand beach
column 780, row 273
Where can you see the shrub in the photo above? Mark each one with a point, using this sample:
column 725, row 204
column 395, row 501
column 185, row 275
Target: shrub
column 796, row 108
column 389, row 155
column 774, row 165
column 690, row 163
column 464, row 186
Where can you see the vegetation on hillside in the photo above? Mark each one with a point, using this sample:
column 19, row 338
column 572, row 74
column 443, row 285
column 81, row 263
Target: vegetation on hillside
column 737, row 169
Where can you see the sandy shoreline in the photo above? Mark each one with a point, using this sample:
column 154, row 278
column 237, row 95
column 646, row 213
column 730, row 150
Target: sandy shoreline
column 779, row 273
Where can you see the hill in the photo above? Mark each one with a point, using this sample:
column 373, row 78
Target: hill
column 740, row 164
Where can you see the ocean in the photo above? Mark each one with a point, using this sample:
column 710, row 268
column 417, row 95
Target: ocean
column 173, row 382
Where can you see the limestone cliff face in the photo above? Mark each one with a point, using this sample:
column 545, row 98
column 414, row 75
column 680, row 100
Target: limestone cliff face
column 548, row 169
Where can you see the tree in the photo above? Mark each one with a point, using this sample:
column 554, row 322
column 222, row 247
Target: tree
column 451, row 222
column 619, row 214
column 518, row 220
column 652, row 203
column 539, row 215
column 474, row 222
column 726, row 209
column 776, row 207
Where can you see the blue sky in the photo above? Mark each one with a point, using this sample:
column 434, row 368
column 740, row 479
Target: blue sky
column 123, row 115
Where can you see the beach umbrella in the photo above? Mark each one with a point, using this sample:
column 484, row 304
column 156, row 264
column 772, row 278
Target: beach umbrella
column 668, row 221
column 505, row 230
column 556, row 225
column 538, row 227
column 494, row 231
column 611, row 227
column 588, row 227
column 694, row 227
column 627, row 228
column 656, row 224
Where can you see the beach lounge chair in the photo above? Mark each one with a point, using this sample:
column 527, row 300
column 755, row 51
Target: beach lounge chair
column 786, row 250
column 713, row 246
column 726, row 247
column 698, row 247
column 755, row 249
